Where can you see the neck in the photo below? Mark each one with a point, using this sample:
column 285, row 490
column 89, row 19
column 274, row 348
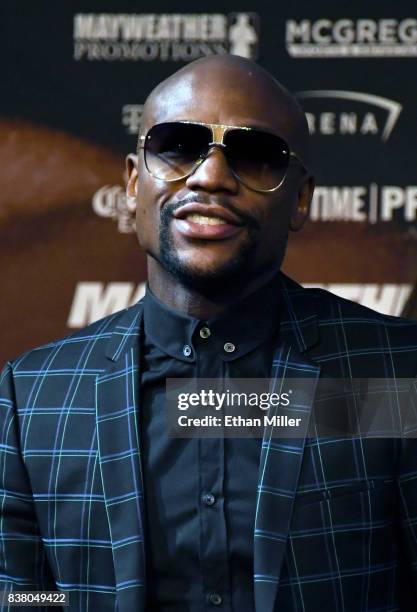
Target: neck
column 191, row 302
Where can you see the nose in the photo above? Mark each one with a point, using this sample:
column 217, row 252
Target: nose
column 213, row 174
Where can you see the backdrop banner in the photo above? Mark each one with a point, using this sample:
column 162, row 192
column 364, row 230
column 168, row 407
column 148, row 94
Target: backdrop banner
column 75, row 77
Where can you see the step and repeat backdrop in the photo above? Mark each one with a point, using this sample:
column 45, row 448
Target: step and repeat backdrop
column 74, row 80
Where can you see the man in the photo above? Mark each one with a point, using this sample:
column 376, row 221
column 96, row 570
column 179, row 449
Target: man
column 98, row 500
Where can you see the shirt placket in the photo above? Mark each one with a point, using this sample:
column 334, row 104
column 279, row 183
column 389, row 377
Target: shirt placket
column 211, row 456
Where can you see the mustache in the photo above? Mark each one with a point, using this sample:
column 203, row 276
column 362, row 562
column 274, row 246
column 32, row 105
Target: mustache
column 246, row 218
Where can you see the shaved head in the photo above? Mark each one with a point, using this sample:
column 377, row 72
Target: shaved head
column 247, row 81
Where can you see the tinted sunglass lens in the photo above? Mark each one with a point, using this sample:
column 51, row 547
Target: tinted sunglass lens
column 258, row 158
column 172, row 149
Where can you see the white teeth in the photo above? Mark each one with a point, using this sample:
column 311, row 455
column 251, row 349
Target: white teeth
column 202, row 220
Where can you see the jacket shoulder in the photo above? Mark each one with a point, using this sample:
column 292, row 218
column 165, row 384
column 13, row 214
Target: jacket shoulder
column 347, row 321
column 87, row 344
column 365, row 330
column 330, row 305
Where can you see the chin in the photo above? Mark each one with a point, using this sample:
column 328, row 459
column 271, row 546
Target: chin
column 205, row 272
column 211, row 279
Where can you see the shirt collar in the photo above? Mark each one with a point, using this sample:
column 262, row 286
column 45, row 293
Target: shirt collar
column 244, row 325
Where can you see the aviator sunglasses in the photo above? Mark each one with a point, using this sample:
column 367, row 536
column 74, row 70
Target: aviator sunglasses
column 258, row 159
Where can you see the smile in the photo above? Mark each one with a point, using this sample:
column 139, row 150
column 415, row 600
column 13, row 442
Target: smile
column 205, row 228
column 206, row 222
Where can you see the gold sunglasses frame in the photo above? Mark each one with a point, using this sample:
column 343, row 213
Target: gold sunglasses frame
column 219, row 131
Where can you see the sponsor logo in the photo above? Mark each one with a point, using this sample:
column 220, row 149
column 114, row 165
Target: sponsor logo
column 351, row 38
column 163, row 37
column 110, row 202
column 371, row 203
column 94, row 300
column 345, row 113
column 131, row 117
column 388, row 298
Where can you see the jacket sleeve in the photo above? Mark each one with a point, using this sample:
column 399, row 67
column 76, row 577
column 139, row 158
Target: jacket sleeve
column 23, row 562
column 407, row 482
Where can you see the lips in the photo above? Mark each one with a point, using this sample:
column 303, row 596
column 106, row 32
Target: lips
column 212, row 210
column 208, row 222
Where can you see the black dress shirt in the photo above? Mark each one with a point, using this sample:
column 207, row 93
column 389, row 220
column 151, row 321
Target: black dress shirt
column 200, row 494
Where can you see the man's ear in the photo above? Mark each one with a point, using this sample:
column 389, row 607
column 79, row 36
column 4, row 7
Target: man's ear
column 132, row 181
column 302, row 209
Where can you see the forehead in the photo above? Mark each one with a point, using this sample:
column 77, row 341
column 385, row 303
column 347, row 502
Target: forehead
column 230, row 99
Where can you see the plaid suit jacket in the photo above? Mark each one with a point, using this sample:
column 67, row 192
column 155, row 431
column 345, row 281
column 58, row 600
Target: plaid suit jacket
column 336, row 520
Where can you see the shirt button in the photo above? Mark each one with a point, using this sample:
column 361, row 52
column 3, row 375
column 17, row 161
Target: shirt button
column 186, row 350
column 215, row 599
column 205, row 332
column 229, row 347
column 209, row 499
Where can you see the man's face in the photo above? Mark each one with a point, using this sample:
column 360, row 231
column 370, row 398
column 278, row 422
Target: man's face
column 203, row 257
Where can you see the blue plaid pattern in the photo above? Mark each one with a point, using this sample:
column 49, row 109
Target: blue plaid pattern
column 336, row 519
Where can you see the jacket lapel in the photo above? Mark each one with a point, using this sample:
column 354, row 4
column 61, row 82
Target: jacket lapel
column 119, row 455
column 281, row 458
